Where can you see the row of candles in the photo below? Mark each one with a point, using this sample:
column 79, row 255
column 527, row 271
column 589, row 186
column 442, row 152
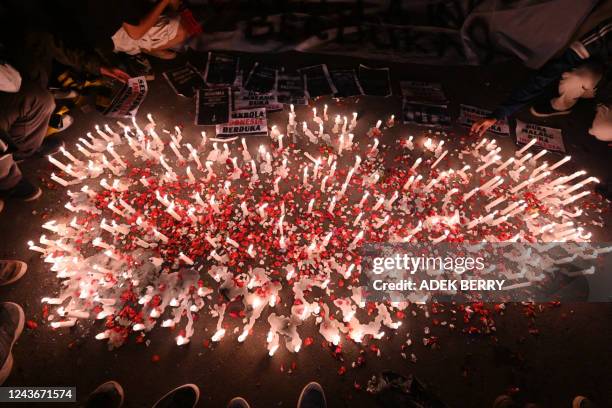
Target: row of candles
column 100, row 158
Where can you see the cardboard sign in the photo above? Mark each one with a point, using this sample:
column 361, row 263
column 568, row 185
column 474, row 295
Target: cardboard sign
column 417, row 91
column 212, row 106
column 548, row 138
column 317, row 81
column 375, row 81
column 244, row 99
column 221, row 70
column 245, row 122
column 127, row 101
column 261, row 79
column 425, row 113
column 185, row 80
column 346, row 82
column 291, row 90
column 470, row 114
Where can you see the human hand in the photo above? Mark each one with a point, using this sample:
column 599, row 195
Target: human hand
column 116, row 73
column 480, row 127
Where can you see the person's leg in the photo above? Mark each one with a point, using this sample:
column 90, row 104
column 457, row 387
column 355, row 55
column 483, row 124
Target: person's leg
column 185, row 396
column 581, row 82
column 12, row 320
column 312, row 396
column 25, row 118
column 107, row 395
column 602, row 124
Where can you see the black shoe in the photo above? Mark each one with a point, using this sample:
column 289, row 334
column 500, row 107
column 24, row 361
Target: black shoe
column 544, row 109
column 238, row 402
column 107, row 395
column 11, row 271
column 185, row 396
column 312, row 396
column 24, row 190
column 12, row 320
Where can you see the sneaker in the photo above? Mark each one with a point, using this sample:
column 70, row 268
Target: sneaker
column 544, row 109
column 24, row 190
column 12, row 320
column 59, row 123
column 11, row 271
column 312, row 396
column 238, row 402
column 582, row 402
column 185, row 396
column 162, row 54
column 504, row 401
column 107, row 395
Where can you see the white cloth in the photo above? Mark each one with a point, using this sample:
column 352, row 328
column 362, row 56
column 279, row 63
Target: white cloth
column 602, row 124
column 581, row 82
column 10, row 80
column 164, row 30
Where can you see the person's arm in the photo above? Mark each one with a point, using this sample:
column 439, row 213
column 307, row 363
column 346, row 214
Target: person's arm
column 137, row 31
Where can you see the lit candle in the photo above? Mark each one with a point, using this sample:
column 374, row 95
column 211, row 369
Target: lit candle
column 332, row 205
column 442, row 156
column 310, row 205
column 323, row 181
column 364, row 198
column 57, row 163
column 170, row 210
column 560, row 162
column 59, row 180
column 537, row 156
column 190, row 175
column 185, row 259
column 527, row 146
